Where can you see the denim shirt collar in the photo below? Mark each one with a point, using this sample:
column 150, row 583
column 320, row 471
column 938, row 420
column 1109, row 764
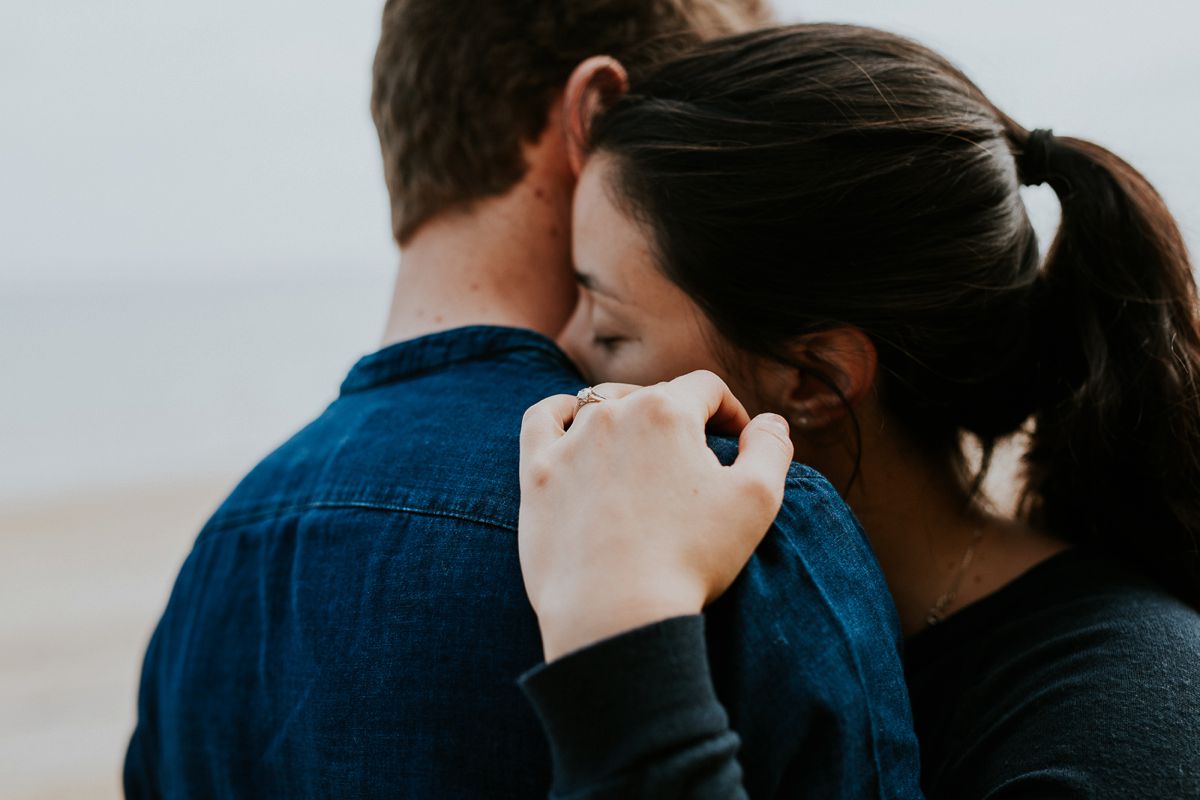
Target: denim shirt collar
column 437, row 350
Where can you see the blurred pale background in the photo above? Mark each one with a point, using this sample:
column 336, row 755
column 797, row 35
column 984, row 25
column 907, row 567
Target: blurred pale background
column 194, row 248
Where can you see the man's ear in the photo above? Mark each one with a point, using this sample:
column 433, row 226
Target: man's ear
column 593, row 86
column 833, row 369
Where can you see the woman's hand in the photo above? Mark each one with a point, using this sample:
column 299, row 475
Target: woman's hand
column 627, row 517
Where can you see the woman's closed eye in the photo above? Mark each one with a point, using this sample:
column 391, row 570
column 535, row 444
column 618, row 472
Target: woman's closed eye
column 608, row 344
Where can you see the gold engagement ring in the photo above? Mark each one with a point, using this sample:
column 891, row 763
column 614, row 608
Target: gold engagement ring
column 588, row 395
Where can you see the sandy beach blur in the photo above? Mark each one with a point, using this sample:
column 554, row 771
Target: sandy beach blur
column 74, row 634
column 129, row 412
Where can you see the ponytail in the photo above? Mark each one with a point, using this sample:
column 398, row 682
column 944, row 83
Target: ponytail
column 1115, row 451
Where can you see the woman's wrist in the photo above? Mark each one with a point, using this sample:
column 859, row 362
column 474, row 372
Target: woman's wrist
column 576, row 618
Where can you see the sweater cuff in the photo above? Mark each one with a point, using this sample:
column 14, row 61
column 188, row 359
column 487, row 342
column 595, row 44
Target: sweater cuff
column 607, row 706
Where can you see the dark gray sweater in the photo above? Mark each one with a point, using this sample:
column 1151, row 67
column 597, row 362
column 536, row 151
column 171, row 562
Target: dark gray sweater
column 1080, row 679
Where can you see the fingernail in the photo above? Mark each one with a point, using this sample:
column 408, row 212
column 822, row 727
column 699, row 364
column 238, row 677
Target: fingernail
column 777, row 423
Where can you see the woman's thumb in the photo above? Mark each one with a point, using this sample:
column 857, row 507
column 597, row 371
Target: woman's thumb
column 765, row 453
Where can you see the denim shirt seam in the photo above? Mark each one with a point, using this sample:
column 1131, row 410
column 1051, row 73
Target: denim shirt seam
column 251, row 515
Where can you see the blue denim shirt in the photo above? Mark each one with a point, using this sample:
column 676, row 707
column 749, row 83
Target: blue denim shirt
column 352, row 620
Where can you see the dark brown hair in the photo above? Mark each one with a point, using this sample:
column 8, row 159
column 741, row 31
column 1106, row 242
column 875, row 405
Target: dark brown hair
column 817, row 176
column 459, row 85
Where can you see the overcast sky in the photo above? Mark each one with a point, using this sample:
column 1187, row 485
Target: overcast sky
column 160, row 140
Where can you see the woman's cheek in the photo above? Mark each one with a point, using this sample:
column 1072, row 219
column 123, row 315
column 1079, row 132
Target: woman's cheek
column 576, row 338
column 601, row 367
column 596, row 365
column 634, row 363
column 593, row 369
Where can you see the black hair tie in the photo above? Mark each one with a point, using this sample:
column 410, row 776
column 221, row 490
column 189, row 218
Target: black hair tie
column 1034, row 163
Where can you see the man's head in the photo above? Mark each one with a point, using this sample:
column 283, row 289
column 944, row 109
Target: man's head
column 461, row 85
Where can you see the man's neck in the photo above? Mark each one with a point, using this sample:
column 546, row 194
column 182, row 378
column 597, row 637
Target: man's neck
column 504, row 262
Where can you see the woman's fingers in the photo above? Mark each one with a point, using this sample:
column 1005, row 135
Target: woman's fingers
column 615, row 391
column 702, row 393
column 708, row 395
column 610, row 392
column 545, row 422
column 764, row 455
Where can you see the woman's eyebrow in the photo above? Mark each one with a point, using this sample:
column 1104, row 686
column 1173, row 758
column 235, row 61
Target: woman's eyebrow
column 589, row 282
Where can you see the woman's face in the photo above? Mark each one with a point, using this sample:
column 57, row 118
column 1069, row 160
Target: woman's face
column 632, row 324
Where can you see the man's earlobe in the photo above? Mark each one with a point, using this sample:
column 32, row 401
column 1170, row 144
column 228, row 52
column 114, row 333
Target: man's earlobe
column 594, row 85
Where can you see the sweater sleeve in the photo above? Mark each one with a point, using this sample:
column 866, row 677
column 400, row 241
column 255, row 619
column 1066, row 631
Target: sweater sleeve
column 636, row 715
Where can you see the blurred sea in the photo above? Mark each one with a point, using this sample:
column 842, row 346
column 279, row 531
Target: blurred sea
column 127, row 384
column 193, row 228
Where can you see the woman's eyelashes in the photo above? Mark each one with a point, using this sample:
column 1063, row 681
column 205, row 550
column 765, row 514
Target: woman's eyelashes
column 608, row 344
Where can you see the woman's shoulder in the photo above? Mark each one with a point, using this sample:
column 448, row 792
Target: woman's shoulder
column 1120, row 639
column 1081, row 676
column 1082, row 606
column 1103, row 604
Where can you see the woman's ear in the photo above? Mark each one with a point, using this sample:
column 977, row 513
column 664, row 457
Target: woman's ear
column 833, row 369
column 593, row 86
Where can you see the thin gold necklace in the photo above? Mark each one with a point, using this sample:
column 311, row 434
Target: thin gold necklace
column 938, row 612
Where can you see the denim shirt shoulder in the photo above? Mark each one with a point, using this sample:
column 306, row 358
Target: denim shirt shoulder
column 804, row 645
column 814, row 587
column 384, row 443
